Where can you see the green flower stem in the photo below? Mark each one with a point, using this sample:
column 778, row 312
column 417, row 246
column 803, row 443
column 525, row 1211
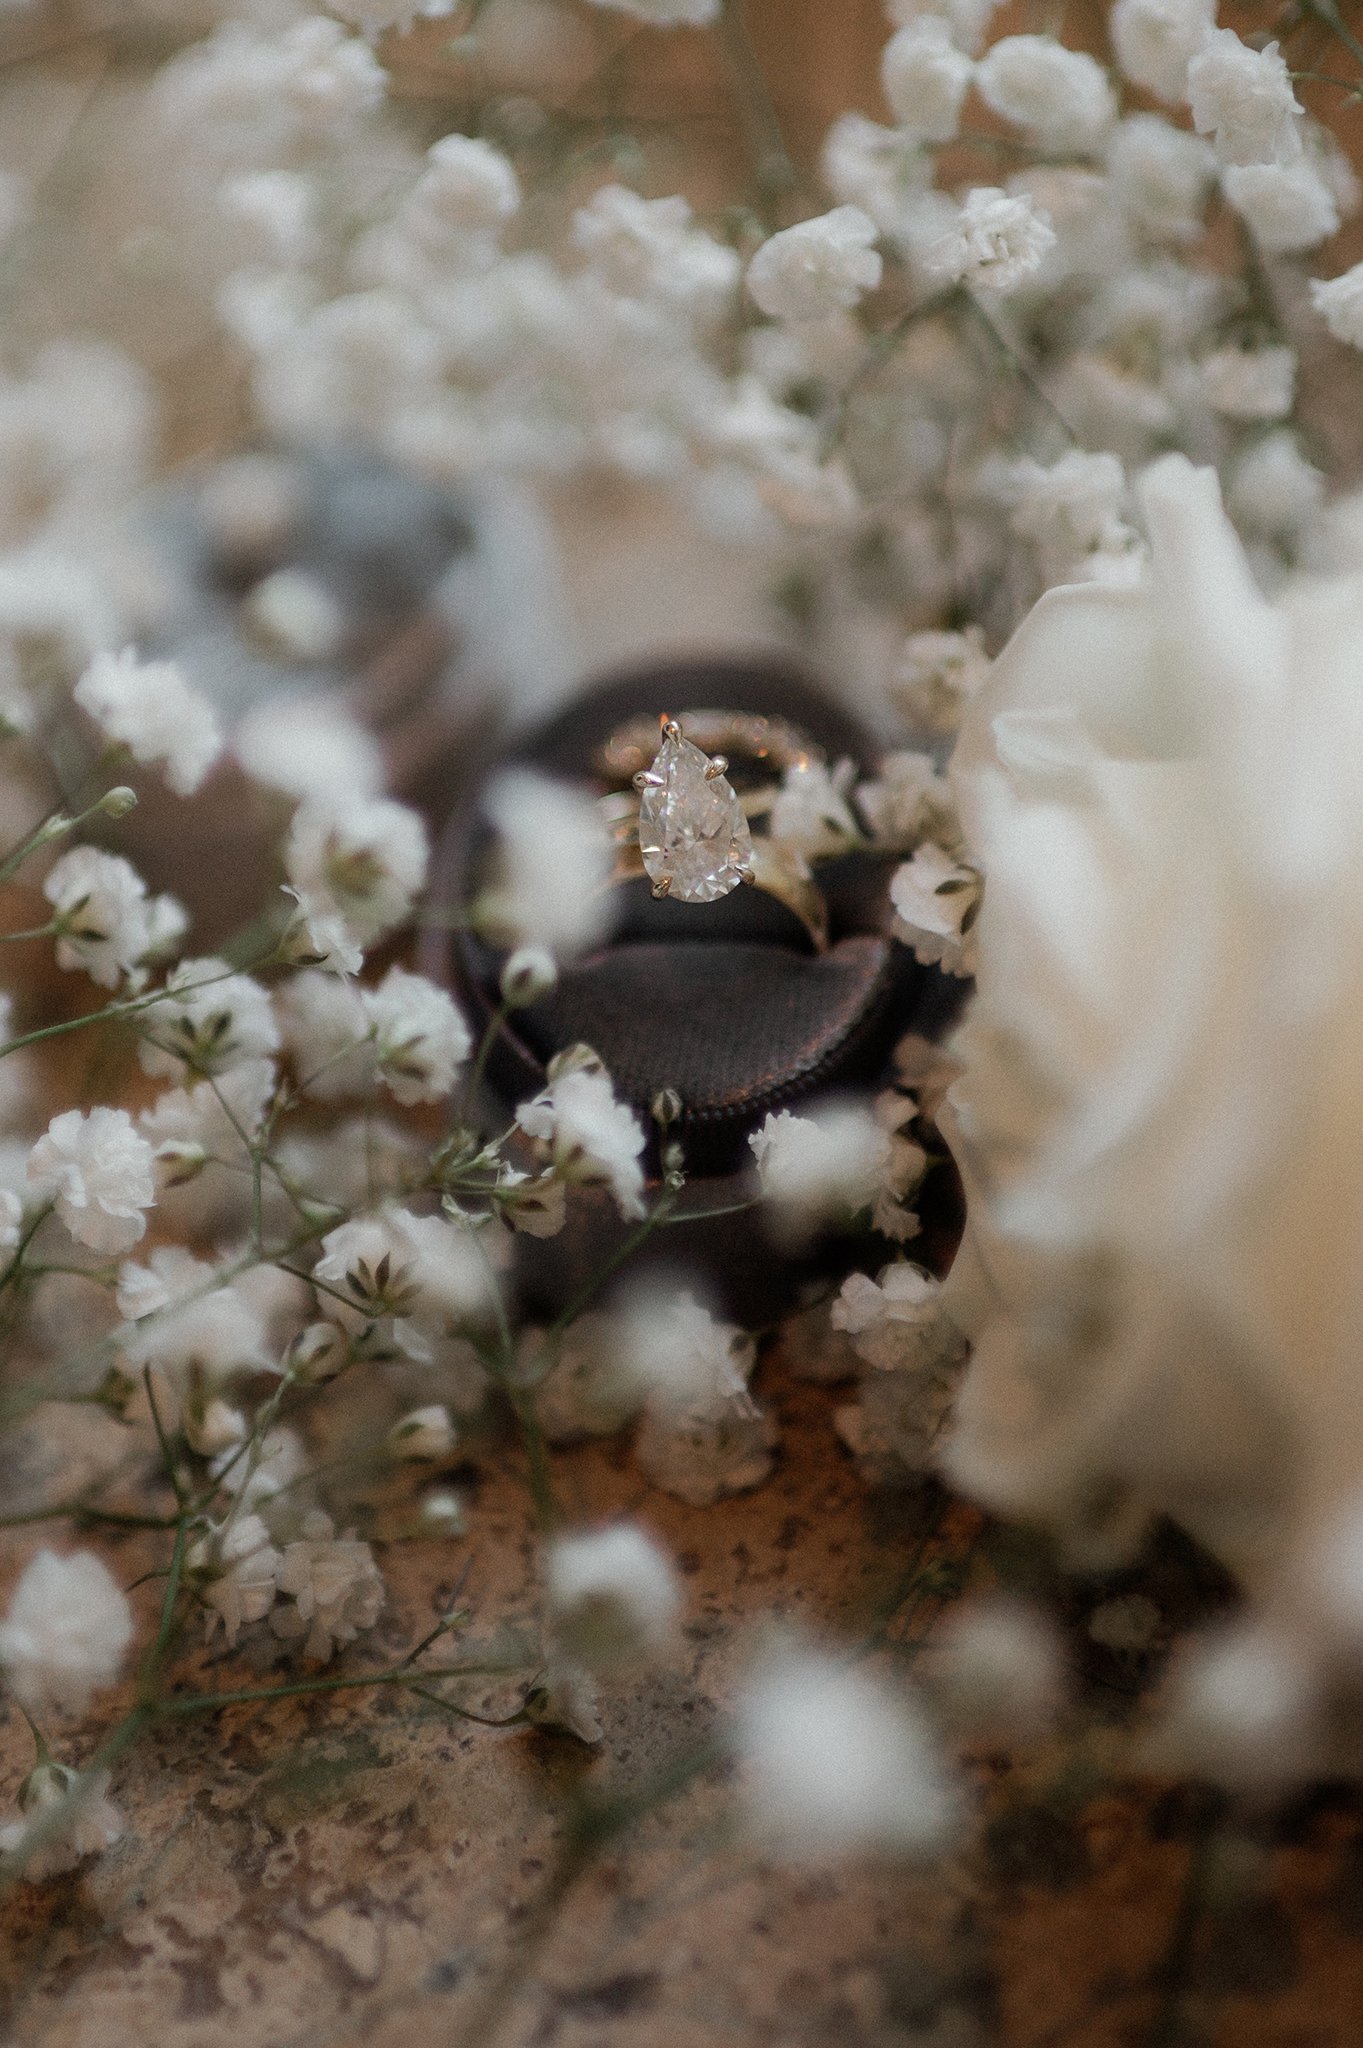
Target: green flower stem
column 175, row 1708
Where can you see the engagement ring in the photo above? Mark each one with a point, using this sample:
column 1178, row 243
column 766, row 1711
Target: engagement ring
column 687, row 828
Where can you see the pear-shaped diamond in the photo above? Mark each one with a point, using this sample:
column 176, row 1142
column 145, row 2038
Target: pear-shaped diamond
column 693, row 835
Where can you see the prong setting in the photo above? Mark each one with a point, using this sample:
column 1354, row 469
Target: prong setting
column 663, row 886
column 717, row 766
column 646, row 779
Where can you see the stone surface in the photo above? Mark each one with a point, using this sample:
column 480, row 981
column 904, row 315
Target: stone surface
column 692, row 832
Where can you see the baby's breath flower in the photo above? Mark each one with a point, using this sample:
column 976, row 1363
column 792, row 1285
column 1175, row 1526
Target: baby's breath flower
column 1286, row 207
column 403, row 1279
column 811, row 815
column 895, row 1321
column 237, row 1569
column 420, row 1037
column 832, row 1761
column 805, row 272
column 1161, row 176
column 997, row 1668
column 590, row 1137
column 997, row 241
column 564, row 1698
column 106, row 923
column 820, row 1168
column 198, row 1333
column 209, row 1020
column 1251, row 383
column 363, row 862
column 66, row 1632
column 149, row 708
column 425, row 1436
column 335, row 1587
column 1060, row 97
column 935, row 899
column 613, row 1596
column 1244, row 100
column 552, row 865
column 936, row 676
column 98, row 1172
column 926, row 77
column 1339, row 301
column 528, row 975
column 1272, row 490
column 91, row 1822
column 1155, row 39
column 908, row 798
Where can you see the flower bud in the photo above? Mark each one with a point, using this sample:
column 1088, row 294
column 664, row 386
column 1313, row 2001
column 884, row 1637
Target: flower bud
column 318, row 1353
column 427, row 1434
column 529, row 974
column 442, row 1514
column 179, row 1162
column 116, row 803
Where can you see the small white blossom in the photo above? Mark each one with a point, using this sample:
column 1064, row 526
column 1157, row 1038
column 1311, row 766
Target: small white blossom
column 613, row 1597
column 91, row 1823
column 107, row 924
column 894, row 1321
column 831, row 1761
column 409, row 1278
column 805, row 272
column 591, row 1138
column 209, row 1020
column 997, row 1669
column 321, row 938
column 1251, row 383
column 997, row 241
column 1068, row 508
column 420, row 1037
column 1286, row 207
column 208, row 1119
column 936, row 676
column 1155, row 39
column 703, row 1436
column 425, row 1436
column 590, row 1389
column 276, row 210
column 198, row 1333
column 1239, row 1708
column 335, row 1586
column 926, row 77
column 327, row 1029
column 529, row 974
column 148, row 707
column 811, row 815
column 469, row 184
column 1272, row 490
column 884, row 171
column 935, row 899
column 564, row 1698
column 650, row 250
column 908, row 800
column 1060, row 97
column 820, row 1168
column 1244, row 100
column 238, row 1570
column 552, row 866
column 1161, row 176
column 310, row 749
column 262, row 1472
column 1339, row 301
column 66, row 1633
column 364, row 862
column 99, row 1173
column 295, row 617
column 372, row 17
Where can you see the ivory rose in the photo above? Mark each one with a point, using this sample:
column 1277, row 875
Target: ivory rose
column 1160, row 1121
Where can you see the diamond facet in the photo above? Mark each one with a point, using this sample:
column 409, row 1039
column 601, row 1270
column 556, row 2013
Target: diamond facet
column 693, row 835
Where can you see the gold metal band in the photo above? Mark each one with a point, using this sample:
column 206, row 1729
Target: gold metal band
column 774, row 742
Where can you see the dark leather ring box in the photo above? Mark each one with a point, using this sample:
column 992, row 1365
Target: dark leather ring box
column 726, row 1003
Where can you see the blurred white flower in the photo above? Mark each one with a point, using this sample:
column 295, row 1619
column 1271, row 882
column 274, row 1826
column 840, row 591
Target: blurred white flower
column 935, row 900
column 181, row 1319
column 1339, row 301
column 309, row 748
column 98, row 1171
column 1272, row 491
column 832, row 1762
column 1250, row 383
column 935, row 677
column 926, row 77
column 107, row 924
column 66, row 1632
column 589, row 1136
column 613, row 1597
column 997, row 241
column 237, row 1572
column 1155, row 40
column 91, row 1822
column 335, row 1586
column 1159, row 1263
column 406, row 1278
column 811, row 815
column 553, row 865
column 149, row 708
column 895, row 1320
column 1059, row 97
column 1244, row 100
column 1161, row 176
column 1286, row 207
column 820, row 1168
column 425, row 1435
column 666, row 13
column 967, row 19
column 420, row 1037
column 208, row 1021
column 811, row 269
column 364, row 862
column 997, row 1668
